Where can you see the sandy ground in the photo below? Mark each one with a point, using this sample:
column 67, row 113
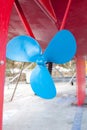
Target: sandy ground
column 29, row 112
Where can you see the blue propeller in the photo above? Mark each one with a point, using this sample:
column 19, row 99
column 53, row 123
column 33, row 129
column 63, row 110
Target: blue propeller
column 61, row 49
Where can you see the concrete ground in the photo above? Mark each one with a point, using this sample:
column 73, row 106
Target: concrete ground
column 29, row 112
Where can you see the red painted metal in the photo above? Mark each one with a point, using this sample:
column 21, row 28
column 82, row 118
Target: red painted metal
column 80, row 62
column 23, row 18
column 81, row 80
column 65, row 14
column 76, row 21
column 46, row 6
column 59, row 7
column 44, row 29
column 5, row 10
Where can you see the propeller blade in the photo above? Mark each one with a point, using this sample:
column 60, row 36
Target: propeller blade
column 42, row 83
column 23, row 48
column 61, row 48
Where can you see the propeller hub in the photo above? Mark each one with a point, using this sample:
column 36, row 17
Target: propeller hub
column 41, row 60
